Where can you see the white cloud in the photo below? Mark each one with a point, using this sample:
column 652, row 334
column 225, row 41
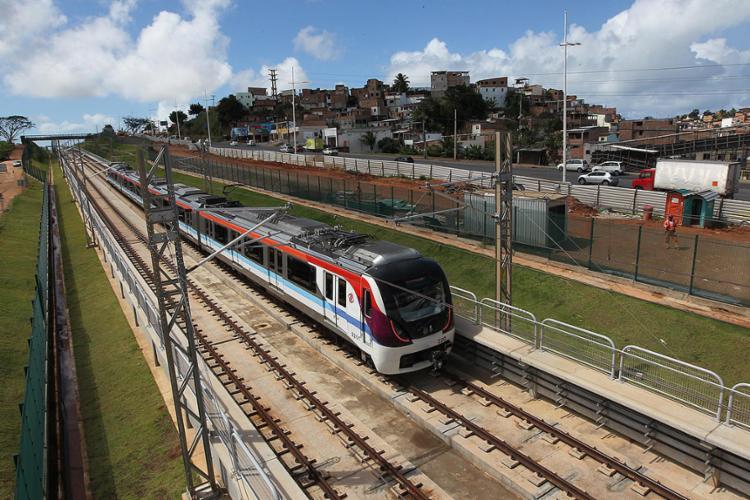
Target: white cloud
column 22, row 22
column 174, row 57
column 320, row 44
column 252, row 78
column 88, row 123
column 649, row 34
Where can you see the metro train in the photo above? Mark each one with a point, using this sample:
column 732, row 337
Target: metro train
column 388, row 300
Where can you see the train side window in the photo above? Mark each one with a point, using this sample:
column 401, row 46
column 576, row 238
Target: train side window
column 181, row 214
column 342, row 292
column 329, row 286
column 366, row 304
column 220, row 234
column 255, row 252
column 300, row 272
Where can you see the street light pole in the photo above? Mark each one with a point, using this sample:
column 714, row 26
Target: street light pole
column 294, row 110
column 208, row 121
column 565, row 44
column 455, row 134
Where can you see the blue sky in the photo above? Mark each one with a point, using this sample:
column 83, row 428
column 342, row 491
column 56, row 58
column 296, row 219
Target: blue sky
column 73, row 64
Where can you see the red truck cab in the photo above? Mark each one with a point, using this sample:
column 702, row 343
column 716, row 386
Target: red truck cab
column 645, row 180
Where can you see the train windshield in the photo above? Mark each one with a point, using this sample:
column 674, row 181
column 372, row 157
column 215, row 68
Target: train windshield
column 421, row 298
column 416, row 296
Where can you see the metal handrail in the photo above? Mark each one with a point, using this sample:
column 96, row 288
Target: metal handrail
column 730, row 404
column 628, row 351
column 561, row 326
column 466, row 295
column 514, row 311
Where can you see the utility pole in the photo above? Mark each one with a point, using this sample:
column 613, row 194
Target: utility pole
column 176, row 326
column 208, row 122
column 177, row 119
column 272, row 75
column 503, row 223
column 424, row 138
column 85, row 205
column 455, row 134
column 294, row 109
column 565, row 44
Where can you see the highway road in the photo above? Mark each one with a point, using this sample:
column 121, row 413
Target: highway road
column 536, row 171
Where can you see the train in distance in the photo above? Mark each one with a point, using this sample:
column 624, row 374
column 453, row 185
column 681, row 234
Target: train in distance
column 388, row 300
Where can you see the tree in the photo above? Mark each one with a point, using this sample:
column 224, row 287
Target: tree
column 553, row 143
column 177, row 114
column 400, row 83
column 11, row 126
column 136, row 125
column 5, row 149
column 196, row 109
column 389, row 145
column 230, row 110
column 368, row 139
column 694, row 113
column 438, row 112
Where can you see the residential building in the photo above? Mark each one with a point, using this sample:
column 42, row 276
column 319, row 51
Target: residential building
column 245, row 98
column 494, row 90
column 339, row 97
column 314, row 98
column 351, row 139
column 579, row 138
column 646, row 128
column 440, row 81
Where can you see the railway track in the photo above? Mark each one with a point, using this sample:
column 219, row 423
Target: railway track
column 242, row 393
column 568, row 487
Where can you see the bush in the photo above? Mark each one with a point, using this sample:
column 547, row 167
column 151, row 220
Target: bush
column 5, row 149
column 408, row 151
column 474, row 152
column 389, row 145
column 434, row 150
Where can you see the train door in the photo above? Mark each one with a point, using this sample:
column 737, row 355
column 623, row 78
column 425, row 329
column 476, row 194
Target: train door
column 365, row 316
column 329, row 297
column 344, row 297
column 275, row 267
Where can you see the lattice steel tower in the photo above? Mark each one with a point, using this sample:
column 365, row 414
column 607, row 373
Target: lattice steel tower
column 170, row 287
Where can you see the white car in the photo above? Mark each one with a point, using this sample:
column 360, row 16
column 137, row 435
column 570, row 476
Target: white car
column 613, row 167
column 603, row 178
column 250, row 142
column 233, row 143
column 574, row 165
column 286, row 148
column 331, row 151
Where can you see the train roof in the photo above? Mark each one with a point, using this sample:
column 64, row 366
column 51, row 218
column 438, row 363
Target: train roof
column 350, row 249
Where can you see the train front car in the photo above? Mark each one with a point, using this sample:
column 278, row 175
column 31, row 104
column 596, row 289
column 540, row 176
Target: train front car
column 412, row 316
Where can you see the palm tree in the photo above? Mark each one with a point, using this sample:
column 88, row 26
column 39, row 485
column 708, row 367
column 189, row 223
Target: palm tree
column 368, row 139
column 401, row 83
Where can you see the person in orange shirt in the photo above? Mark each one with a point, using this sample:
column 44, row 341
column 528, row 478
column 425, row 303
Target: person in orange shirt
column 670, row 232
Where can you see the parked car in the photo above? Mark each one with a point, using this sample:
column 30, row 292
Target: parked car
column 574, row 165
column 233, row 143
column 405, row 159
column 17, row 163
column 330, row 151
column 300, row 148
column 250, row 142
column 603, row 178
column 286, row 148
column 613, row 167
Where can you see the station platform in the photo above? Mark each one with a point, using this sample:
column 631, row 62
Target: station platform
column 703, row 427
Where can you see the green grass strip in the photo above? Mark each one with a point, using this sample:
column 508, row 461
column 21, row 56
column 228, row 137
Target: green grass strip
column 19, row 242
column 709, row 343
column 132, row 444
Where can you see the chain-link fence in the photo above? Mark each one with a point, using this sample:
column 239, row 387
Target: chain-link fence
column 31, row 463
column 709, row 266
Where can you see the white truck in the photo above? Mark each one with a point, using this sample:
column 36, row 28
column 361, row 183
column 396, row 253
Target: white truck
column 719, row 176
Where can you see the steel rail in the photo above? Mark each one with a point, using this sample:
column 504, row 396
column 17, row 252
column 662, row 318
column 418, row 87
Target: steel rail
column 385, row 466
column 573, row 442
column 515, row 454
column 221, row 368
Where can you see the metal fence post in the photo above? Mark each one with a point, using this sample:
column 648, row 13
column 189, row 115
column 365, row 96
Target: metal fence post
column 635, row 197
column 692, row 266
column 591, row 240
column 598, row 194
column 638, row 253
